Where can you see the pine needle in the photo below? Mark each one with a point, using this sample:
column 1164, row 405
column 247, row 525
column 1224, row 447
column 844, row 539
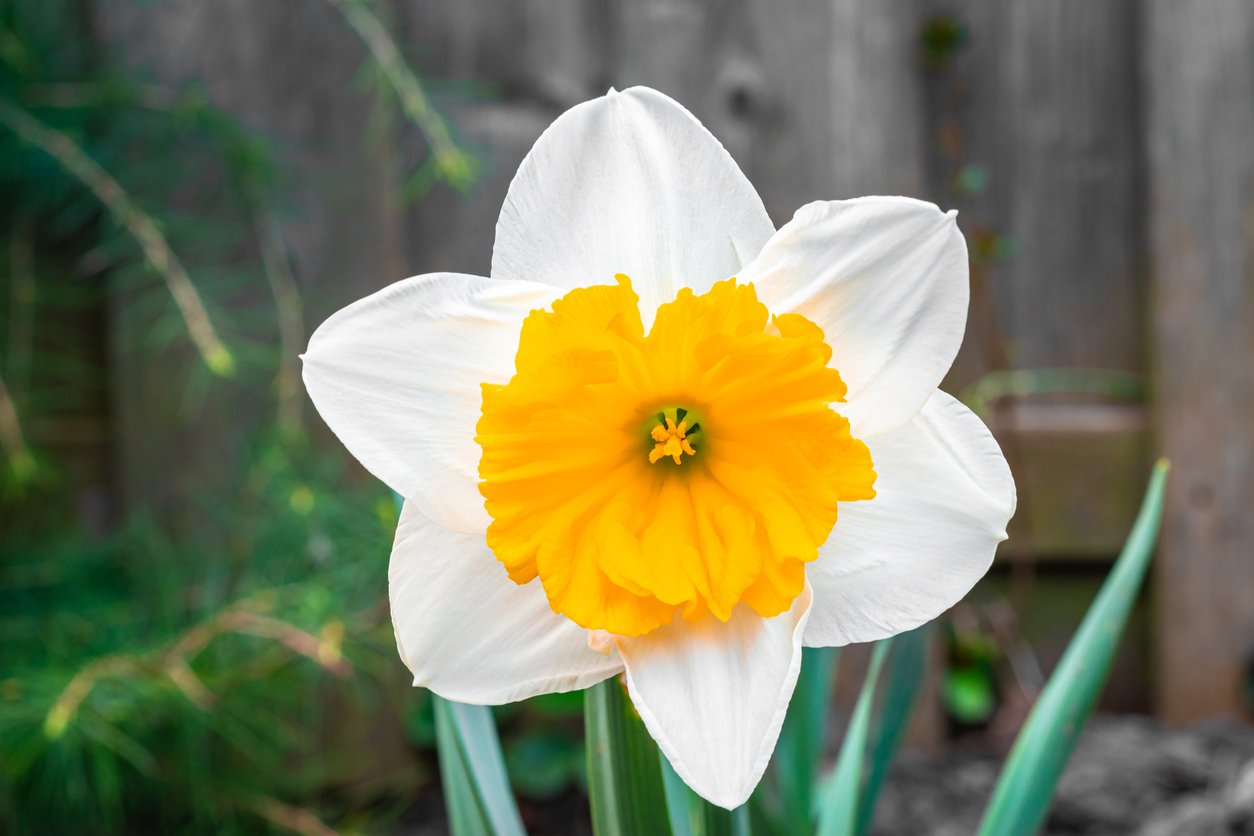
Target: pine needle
column 453, row 164
column 144, row 229
column 20, row 458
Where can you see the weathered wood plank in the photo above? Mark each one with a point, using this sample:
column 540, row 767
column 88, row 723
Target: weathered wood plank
column 814, row 100
column 1083, row 468
column 1072, row 156
column 287, row 69
column 1035, row 135
column 1199, row 68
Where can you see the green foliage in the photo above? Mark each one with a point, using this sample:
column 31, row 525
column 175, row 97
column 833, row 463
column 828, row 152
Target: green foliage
column 969, row 682
column 1110, row 383
column 783, row 802
column 1023, row 793
column 939, row 41
column 838, row 801
column 212, row 660
column 150, row 681
column 902, row 683
column 624, row 773
column 476, row 789
column 692, row 815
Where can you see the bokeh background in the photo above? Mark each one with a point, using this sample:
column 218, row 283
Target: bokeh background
column 194, row 634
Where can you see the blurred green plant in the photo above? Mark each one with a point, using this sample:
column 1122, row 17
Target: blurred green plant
column 940, row 38
column 213, row 670
column 1109, row 383
column 150, row 681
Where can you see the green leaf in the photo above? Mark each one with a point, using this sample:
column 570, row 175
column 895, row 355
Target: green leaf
column 969, row 694
column 838, row 813
column 624, row 774
column 476, row 789
column 692, row 815
column 465, row 815
column 783, row 802
column 1026, row 787
column 907, row 665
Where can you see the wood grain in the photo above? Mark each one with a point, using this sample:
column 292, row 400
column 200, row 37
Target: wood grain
column 1199, row 68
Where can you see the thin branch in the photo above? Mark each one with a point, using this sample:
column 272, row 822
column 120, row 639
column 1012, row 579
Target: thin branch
column 291, row 323
column 326, row 652
column 144, row 229
column 454, row 165
column 20, row 458
column 291, row 818
column 175, row 662
column 182, row 675
column 80, row 686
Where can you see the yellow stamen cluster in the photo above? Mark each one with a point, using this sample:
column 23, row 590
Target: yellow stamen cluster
column 671, row 441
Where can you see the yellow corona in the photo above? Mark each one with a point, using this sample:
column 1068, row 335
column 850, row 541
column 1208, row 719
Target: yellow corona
column 682, row 471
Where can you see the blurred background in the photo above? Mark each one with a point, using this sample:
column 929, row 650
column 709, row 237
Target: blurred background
column 194, row 634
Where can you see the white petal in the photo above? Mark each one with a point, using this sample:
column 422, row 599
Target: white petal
column 886, row 278
column 471, row 634
column 629, row 183
column 714, row 694
column 943, row 497
column 396, row 376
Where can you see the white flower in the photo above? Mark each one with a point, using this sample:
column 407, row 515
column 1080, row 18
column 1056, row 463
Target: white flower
column 697, row 475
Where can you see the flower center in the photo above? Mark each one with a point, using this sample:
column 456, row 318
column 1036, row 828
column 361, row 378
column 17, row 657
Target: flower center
column 673, row 439
column 631, row 509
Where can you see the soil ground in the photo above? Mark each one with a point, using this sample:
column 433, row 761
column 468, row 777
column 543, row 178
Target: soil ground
column 1129, row 776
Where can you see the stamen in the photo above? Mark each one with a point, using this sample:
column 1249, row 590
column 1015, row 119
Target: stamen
column 671, row 440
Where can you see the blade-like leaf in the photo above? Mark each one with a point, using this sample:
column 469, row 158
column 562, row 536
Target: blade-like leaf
column 692, row 815
column 465, row 815
column 838, row 800
column 476, row 788
column 624, row 773
column 899, row 691
column 1023, row 793
column 784, row 800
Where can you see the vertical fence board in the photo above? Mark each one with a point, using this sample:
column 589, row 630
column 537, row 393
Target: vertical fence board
column 1199, row 65
column 1071, row 100
column 876, row 119
column 1039, row 108
column 287, row 69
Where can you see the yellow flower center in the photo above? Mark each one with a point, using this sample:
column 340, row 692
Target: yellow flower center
column 683, row 471
column 672, row 440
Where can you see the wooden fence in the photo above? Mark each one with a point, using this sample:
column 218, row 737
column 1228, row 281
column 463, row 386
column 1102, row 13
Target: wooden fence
column 1101, row 155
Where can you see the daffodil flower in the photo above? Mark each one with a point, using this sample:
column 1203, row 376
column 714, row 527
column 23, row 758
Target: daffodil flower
column 665, row 439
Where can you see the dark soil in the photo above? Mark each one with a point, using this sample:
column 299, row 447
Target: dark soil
column 1129, row 775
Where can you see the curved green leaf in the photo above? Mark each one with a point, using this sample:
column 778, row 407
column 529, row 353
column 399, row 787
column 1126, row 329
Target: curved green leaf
column 624, row 775
column 1026, row 787
column 838, row 811
column 902, row 682
column 692, row 815
column 783, row 802
column 476, row 788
